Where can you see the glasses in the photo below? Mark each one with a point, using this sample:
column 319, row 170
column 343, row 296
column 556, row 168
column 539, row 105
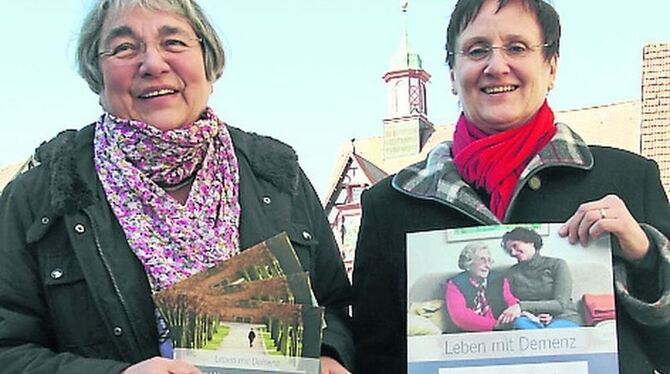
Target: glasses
column 129, row 51
column 484, row 260
column 482, row 51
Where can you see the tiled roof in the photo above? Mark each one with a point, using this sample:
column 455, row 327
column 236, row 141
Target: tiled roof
column 371, row 171
column 9, row 172
column 616, row 125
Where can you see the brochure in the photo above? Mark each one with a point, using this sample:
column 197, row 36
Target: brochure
column 253, row 313
column 556, row 301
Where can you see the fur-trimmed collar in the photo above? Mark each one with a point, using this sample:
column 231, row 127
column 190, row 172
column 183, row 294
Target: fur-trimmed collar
column 270, row 159
column 69, row 189
column 68, row 159
column 437, row 179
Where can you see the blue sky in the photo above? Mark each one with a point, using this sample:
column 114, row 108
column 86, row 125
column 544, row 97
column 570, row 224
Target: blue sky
column 308, row 72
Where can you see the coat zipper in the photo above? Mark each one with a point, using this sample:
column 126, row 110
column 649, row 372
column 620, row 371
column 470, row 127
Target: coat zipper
column 101, row 253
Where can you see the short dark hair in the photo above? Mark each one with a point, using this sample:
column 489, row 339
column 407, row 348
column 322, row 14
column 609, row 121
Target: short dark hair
column 522, row 234
column 466, row 11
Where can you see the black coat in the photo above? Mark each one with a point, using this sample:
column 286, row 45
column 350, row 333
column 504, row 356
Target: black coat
column 552, row 189
column 75, row 299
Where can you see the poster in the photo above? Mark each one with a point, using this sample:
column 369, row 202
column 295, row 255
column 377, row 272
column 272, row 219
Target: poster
column 564, row 293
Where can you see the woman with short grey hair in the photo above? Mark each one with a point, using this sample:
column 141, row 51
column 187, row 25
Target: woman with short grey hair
column 88, row 46
column 158, row 189
column 478, row 296
column 469, row 254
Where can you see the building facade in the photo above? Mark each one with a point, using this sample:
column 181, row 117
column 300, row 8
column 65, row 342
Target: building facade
column 655, row 128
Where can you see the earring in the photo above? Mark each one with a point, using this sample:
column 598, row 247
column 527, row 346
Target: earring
column 453, row 91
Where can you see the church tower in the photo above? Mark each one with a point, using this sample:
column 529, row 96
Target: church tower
column 406, row 126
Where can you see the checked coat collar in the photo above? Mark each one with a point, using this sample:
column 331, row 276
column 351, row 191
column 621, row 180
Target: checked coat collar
column 436, row 178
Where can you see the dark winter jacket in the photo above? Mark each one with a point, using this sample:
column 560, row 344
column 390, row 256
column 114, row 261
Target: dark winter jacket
column 73, row 296
column 430, row 195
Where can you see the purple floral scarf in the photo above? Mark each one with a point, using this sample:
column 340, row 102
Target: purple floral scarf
column 173, row 241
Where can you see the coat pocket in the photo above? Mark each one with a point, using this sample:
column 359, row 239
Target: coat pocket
column 74, row 316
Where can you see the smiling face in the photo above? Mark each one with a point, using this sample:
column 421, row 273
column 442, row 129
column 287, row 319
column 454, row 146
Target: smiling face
column 159, row 87
column 501, row 92
column 481, row 264
column 522, row 251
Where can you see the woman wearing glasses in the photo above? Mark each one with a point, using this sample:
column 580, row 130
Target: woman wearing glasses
column 477, row 297
column 158, row 189
column 510, row 162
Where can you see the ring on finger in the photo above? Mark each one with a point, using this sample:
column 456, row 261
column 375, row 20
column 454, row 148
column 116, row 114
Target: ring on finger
column 603, row 215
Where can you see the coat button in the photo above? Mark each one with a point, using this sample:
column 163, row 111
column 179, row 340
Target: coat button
column 118, row 331
column 267, row 200
column 535, row 183
column 306, row 235
column 56, row 273
column 45, row 220
column 79, row 228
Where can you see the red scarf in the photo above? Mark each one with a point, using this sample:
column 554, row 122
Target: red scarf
column 496, row 161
